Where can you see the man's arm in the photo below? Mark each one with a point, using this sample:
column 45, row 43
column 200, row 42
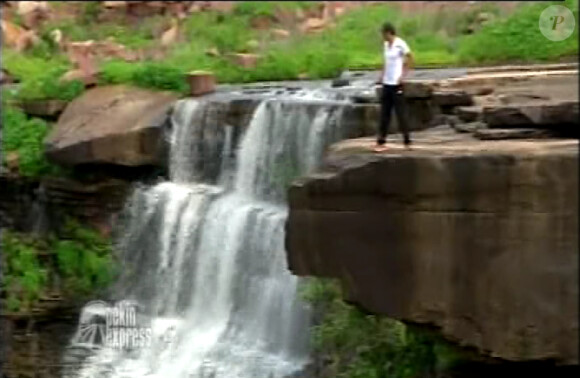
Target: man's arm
column 380, row 79
column 407, row 65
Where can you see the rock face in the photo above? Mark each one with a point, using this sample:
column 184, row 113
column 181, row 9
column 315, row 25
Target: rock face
column 43, row 108
column 32, row 344
column 29, row 205
column 543, row 114
column 477, row 238
column 111, row 125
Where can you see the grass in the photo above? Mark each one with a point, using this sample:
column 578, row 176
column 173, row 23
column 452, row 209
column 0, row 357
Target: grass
column 39, row 76
column 518, row 38
column 437, row 39
column 356, row 345
column 269, row 8
column 78, row 256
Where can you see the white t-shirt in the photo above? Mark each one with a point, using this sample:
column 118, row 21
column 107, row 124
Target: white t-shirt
column 394, row 58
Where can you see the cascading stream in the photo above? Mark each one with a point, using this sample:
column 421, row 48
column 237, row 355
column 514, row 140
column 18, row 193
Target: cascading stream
column 206, row 259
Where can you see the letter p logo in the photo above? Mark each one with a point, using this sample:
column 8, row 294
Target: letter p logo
column 557, row 23
column 557, row 20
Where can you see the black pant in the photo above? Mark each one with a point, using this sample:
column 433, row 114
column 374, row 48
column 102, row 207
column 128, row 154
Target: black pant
column 393, row 97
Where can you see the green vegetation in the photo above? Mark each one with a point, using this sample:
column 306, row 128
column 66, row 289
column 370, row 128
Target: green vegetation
column 23, row 138
column 366, row 346
column 437, row 38
column 40, row 75
column 23, row 277
column 84, row 258
column 518, row 38
column 79, row 256
column 268, row 8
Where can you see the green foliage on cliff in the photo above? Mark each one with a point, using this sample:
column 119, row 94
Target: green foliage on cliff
column 22, row 139
column 77, row 261
column 84, row 258
column 367, row 346
column 23, row 276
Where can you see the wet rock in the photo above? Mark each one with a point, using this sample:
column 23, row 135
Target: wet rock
column 503, row 134
column 469, row 113
column 337, row 83
column 439, row 120
column 481, row 91
column 117, row 125
column 520, row 97
column 469, row 127
column 452, row 98
column 364, row 98
column 444, row 119
column 417, row 89
column 532, row 115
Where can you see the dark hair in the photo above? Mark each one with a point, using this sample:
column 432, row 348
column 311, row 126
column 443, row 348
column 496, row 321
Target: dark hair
column 389, row 28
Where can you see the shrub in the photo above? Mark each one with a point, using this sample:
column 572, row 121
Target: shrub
column 368, row 346
column 25, row 137
column 79, row 256
column 118, row 72
column 84, row 258
column 40, row 77
column 26, row 67
column 49, row 86
column 160, row 76
column 90, row 12
column 23, row 277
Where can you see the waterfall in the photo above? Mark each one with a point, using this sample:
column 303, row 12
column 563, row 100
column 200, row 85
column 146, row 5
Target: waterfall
column 204, row 258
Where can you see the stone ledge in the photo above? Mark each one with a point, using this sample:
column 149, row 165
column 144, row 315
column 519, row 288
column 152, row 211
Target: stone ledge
column 476, row 238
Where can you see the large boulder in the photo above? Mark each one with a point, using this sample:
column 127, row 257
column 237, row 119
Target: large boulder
column 111, row 125
column 476, row 238
column 542, row 114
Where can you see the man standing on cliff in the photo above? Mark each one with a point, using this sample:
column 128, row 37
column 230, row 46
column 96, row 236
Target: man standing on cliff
column 397, row 62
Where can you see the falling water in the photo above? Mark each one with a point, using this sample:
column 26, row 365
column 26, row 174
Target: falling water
column 205, row 257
